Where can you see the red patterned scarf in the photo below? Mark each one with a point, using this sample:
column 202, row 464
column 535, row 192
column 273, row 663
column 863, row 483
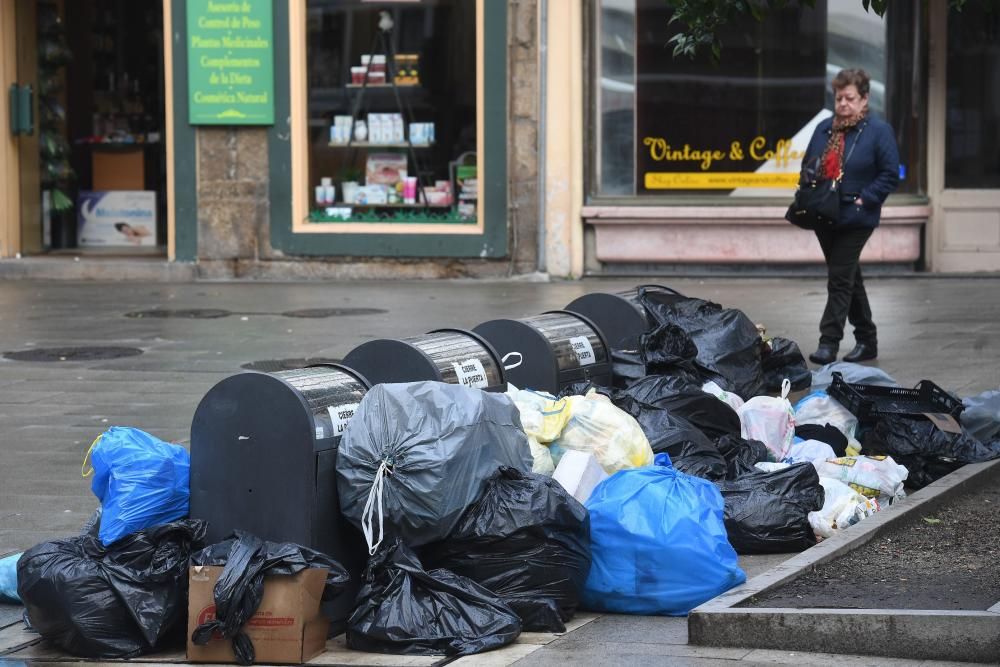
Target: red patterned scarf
column 832, row 162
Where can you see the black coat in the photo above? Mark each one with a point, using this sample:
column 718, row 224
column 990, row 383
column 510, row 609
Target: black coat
column 872, row 172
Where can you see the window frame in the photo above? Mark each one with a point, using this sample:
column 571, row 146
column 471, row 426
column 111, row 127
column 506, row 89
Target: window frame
column 289, row 155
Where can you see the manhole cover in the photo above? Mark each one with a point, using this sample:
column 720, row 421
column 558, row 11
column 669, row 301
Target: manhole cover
column 72, row 353
column 332, row 312
column 191, row 313
column 275, row 365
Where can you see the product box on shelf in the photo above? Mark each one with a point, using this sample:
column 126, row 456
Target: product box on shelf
column 385, row 168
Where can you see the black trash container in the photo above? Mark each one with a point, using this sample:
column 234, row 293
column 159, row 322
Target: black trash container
column 455, row 356
column 264, row 460
column 549, row 351
column 620, row 316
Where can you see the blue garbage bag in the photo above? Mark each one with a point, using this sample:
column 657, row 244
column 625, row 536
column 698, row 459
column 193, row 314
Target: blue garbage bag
column 140, row 480
column 658, row 544
column 8, row 578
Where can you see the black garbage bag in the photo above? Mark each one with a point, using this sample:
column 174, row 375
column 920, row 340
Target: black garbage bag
column 527, row 540
column 669, row 350
column 684, row 399
column 423, row 450
column 403, row 608
column 740, row 454
column 119, row 601
column 246, row 560
column 827, row 433
column 782, row 358
column 627, row 365
column 768, row 512
column 927, row 452
column 728, row 342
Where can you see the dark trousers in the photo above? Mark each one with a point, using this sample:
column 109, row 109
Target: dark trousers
column 845, row 290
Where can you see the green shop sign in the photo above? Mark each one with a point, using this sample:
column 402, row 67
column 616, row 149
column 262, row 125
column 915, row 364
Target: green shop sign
column 230, row 62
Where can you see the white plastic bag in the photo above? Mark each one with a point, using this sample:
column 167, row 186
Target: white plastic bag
column 821, row 408
column 810, row 450
column 771, row 466
column 876, row 477
column 598, row 427
column 842, row 507
column 771, row 421
column 734, row 401
column 542, row 463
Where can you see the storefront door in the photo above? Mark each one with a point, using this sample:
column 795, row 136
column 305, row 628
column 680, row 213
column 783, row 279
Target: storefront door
column 964, row 141
column 84, row 161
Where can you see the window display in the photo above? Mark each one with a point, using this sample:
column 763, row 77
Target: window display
column 737, row 128
column 392, row 108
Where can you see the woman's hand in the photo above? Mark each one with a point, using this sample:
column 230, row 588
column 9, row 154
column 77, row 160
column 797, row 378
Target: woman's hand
column 859, row 201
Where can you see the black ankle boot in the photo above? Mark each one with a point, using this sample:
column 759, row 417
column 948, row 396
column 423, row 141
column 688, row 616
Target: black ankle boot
column 824, row 354
column 862, row 352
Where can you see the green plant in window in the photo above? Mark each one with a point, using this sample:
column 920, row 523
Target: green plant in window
column 54, row 151
column 351, row 173
column 701, row 19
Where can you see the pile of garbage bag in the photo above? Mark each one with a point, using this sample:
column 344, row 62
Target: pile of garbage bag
column 488, row 514
column 118, row 601
column 527, row 540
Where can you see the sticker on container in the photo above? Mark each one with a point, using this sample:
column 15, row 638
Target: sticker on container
column 340, row 415
column 471, row 373
column 584, row 351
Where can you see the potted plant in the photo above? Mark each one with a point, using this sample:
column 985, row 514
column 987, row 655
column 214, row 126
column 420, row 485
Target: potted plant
column 350, row 178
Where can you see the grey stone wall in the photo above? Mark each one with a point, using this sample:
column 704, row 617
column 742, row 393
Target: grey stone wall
column 233, row 205
column 522, row 128
column 234, row 210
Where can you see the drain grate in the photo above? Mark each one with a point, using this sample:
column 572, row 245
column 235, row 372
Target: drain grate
column 332, row 312
column 190, row 313
column 275, row 365
column 73, row 353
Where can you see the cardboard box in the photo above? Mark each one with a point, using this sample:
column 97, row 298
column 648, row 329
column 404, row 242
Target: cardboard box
column 121, row 169
column 288, row 627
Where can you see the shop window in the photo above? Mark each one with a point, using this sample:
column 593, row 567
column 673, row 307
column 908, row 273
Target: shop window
column 674, row 126
column 392, row 118
column 972, row 137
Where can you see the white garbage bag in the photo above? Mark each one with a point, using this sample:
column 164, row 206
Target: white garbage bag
column 770, row 420
column 728, row 397
column 542, row 463
column 877, row 477
column 842, row 507
column 807, row 451
column 821, row 408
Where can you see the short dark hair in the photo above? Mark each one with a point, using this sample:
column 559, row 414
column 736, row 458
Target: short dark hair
column 856, row 77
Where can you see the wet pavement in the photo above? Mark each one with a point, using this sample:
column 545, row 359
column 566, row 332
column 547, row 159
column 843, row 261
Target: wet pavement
column 943, row 329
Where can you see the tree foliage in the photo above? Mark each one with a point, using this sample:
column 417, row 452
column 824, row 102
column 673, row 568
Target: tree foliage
column 702, row 19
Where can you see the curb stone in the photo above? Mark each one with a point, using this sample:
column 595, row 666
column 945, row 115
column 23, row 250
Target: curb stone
column 972, row 636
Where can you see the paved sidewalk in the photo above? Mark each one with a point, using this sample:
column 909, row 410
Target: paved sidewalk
column 944, row 329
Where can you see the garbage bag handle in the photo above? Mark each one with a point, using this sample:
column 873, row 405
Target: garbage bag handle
column 86, row 459
column 655, row 286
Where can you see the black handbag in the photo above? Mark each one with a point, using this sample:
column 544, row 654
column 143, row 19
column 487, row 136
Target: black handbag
column 817, row 202
column 816, row 205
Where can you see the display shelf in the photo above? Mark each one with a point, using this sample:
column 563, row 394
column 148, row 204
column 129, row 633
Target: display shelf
column 346, row 205
column 366, row 144
column 382, row 85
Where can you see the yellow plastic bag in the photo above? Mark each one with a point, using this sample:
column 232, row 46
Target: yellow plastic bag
column 598, row 427
column 543, row 417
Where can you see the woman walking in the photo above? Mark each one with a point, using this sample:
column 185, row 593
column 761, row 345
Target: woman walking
column 863, row 148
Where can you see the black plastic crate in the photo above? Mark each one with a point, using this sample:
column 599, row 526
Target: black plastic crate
column 868, row 402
